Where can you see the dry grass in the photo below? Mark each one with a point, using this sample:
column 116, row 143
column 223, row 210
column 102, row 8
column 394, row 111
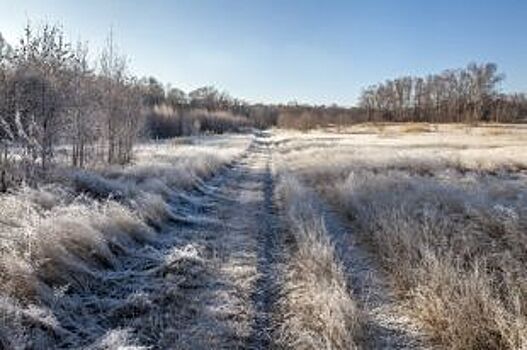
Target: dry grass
column 444, row 212
column 457, row 254
column 416, row 128
column 316, row 307
column 448, row 148
column 64, row 236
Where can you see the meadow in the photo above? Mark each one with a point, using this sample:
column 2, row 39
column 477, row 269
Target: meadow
column 439, row 211
column 376, row 235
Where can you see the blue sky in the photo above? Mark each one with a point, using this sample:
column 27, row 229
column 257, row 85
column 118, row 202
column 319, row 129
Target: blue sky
column 277, row 51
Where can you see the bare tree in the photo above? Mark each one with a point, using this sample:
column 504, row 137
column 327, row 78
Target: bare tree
column 38, row 88
column 84, row 105
column 120, row 119
column 464, row 95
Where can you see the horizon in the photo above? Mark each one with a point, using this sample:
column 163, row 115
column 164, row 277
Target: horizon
column 299, row 51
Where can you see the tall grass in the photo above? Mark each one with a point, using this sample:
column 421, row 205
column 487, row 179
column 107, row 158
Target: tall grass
column 317, row 309
column 66, row 235
column 444, row 212
column 456, row 249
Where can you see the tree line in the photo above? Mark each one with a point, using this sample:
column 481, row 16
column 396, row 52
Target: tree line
column 465, row 95
column 305, row 117
column 173, row 112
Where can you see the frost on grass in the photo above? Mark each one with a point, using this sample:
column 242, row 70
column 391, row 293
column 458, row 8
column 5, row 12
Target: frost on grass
column 67, row 246
column 121, row 339
column 317, row 310
column 455, row 246
column 444, row 213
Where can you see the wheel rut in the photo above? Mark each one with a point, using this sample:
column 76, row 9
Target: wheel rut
column 385, row 326
column 270, row 254
column 234, row 304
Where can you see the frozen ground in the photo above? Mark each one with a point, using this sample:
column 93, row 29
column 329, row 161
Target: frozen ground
column 367, row 239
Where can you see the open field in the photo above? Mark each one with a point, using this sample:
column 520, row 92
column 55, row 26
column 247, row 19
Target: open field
column 374, row 236
column 435, row 215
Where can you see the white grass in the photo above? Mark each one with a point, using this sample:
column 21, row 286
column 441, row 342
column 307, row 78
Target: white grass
column 316, row 310
column 443, row 209
column 61, row 236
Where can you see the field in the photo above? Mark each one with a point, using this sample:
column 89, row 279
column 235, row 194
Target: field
column 430, row 223
column 372, row 236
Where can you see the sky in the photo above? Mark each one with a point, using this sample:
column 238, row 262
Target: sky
column 318, row 52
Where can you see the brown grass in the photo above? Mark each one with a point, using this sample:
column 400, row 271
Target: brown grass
column 416, row 128
column 456, row 257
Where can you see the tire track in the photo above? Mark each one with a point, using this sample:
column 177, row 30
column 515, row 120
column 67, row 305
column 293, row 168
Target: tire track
column 236, row 303
column 384, row 327
column 269, row 255
column 226, row 312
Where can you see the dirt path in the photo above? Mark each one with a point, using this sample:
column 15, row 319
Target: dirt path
column 269, row 256
column 234, row 302
column 247, row 255
column 386, row 327
column 208, row 282
column 242, row 294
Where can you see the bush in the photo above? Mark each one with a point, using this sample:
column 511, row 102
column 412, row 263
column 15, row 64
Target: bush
column 165, row 122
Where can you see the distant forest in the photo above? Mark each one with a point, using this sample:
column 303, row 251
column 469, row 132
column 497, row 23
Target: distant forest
column 466, row 95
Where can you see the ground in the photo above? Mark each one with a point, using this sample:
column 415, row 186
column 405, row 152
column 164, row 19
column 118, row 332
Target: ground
column 369, row 237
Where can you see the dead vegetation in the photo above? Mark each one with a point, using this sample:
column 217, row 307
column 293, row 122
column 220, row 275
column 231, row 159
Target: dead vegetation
column 316, row 309
column 84, row 260
column 450, row 232
column 457, row 255
column 63, row 242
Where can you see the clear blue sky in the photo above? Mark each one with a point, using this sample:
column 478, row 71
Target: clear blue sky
column 278, row 51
